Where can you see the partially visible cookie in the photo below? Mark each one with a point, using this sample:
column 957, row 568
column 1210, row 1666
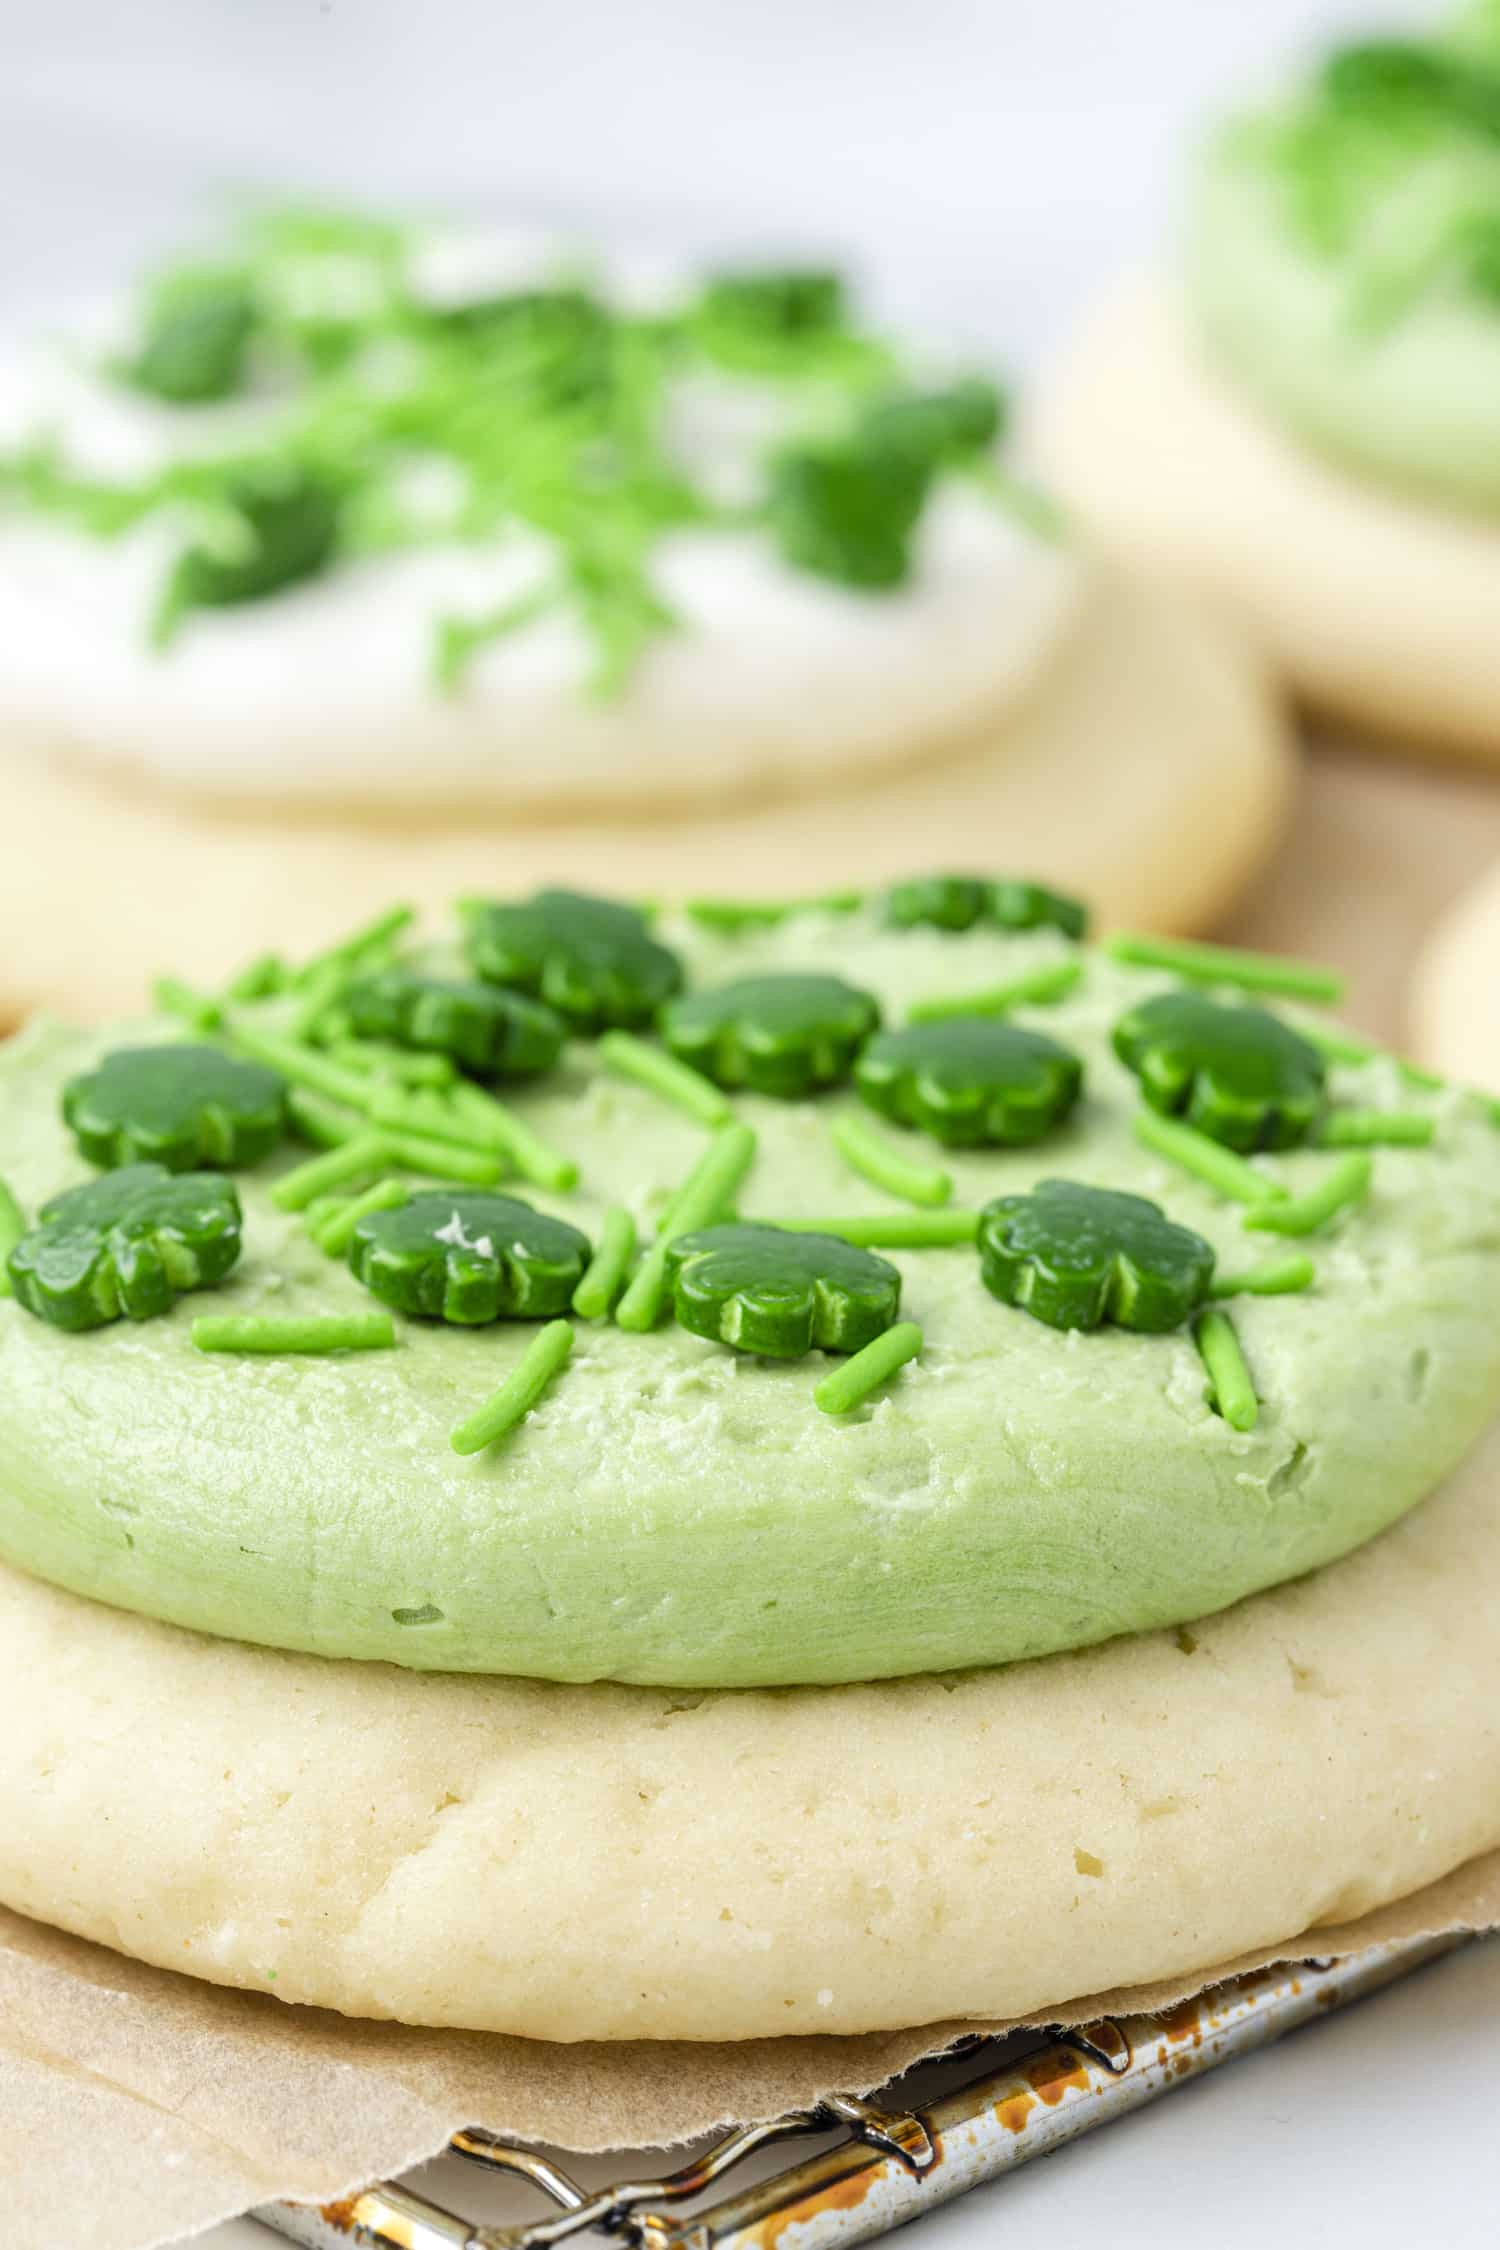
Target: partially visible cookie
column 1376, row 606
column 1152, row 724
column 1455, row 992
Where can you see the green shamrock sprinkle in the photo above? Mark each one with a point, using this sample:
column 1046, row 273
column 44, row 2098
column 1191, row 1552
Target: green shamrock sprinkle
column 126, row 1246
column 969, row 1081
column 592, row 959
column 786, row 1035
column 275, row 524
column 846, row 510
column 469, row 1259
column 1238, row 1074
column 1077, row 1256
column 960, row 902
column 183, row 1107
column 492, row 1032
column 763, row 1290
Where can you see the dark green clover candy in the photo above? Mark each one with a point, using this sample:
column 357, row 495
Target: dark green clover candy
column 127, row 1246
column 970, row 1081
column 592, row 959
column 469, row 1258
column 790, row 301
column 785, row 1035
column 937, row 426
column 178, row 1106
column 279, row 525
column 763, row 1289
column 959, row 902
column 1240, row 1075
column 846, row 510
column 1077, row 1256
column 491, row 1032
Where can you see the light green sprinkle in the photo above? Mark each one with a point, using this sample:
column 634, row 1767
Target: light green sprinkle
column 661, row 1073
column 1227, row 964
column 731, row 915
column 370, row 938
column 701, row 1199
column 1207, row 1160
column 12, row 1227
column 1230, row 1387
column 443, row 1160
column 367, row 1152
column 548, row 1351
column 534, row 1158
column 199, row 1009
column 890, row 1230
column 260, row 979
column 319, row 992
column 314, row 1332
column 878, row 1160
column 323, row 1123
column 301, row 1065
column 337, row 1230
column 604, row 1277
column 421, row 1110
column 1377, row 1128
column 320, row 1210
column 1344, row 1183
column 408, row 1066
column 1279, row 1277
column 1051, row 982
column 850, row 1385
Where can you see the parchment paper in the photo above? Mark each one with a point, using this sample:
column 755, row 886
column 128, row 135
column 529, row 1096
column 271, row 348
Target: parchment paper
column 138, row 2107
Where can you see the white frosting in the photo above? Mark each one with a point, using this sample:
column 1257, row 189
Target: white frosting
column 323, row 694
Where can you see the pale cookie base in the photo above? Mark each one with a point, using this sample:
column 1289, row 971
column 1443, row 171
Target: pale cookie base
column 1455, row 991
column 1377, row 608
column 620, row 1863
column 1148, row 772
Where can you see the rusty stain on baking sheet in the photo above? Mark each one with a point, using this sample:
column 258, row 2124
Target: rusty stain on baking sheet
column 994, row 2109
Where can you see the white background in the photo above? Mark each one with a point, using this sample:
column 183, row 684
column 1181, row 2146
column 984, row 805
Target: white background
column 983, row 166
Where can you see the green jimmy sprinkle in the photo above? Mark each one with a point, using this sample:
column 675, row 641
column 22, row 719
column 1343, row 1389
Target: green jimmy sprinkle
column 1344, row 1183
column 1278, row 1277
column 546, row 1354
column 604, row 1276
column 315, row 1332
column 12, row 1227
column 1227, row 964
column 1230, row 1388
column 1217, row 1166
column 367, row 1152
column 702, row 1198
column 730, row 916
column 197, row 1009
column 877, row 1159
column 409, row 1067
column 1052, row 982
column 848, row 1386
column 371, row 940
column 1377, row 1128
column 677, row 1082
column 335, row 1231
column 1342, row 1046
column 892, row 1230
column 499, row 1128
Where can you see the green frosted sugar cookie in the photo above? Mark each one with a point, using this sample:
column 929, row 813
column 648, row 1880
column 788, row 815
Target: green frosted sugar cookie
column 1344, row 259
column 678, row 1499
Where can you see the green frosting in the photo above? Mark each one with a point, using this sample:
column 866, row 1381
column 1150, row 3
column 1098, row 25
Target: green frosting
column 1344, row 259
column 680, row 1512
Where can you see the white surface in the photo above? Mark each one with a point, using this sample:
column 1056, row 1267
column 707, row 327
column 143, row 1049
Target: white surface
column 1331, row 2138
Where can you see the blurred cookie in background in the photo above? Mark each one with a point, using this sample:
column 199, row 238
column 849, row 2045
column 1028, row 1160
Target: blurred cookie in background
column 371, row 558
column 1455, row 993
column 1305, row 423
